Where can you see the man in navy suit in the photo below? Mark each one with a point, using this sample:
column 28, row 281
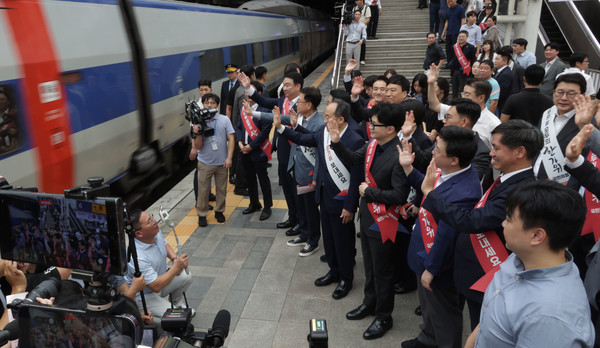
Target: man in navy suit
column 304, row 166
column 504, row 76
column 431, row 249
column 252, row 136
column 384, row 191
column 515, row 144
column 337, row 193
column 292, row 84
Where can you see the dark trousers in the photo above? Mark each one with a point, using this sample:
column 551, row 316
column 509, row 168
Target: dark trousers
column 379, row 268
column 474, row 313
column 404, row 275
column 442, row 317
column 308, row 218
column 458, row 83
column 434, row 17
column 372, row 28
column 289, row 189
column 339, row 243
column 442, row 14
column 450, row 41
column 363, row 49
column 253, row 170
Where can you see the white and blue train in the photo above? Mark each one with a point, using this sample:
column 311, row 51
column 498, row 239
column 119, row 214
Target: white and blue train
column 68, row 101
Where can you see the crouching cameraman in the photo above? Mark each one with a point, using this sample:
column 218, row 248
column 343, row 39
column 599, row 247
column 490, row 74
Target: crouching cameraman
column 152, row 252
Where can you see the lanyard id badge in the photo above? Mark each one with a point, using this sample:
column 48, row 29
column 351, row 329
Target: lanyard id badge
column 214, row 144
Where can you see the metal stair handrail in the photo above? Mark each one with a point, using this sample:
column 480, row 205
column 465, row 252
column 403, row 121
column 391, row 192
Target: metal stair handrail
column 335, row 77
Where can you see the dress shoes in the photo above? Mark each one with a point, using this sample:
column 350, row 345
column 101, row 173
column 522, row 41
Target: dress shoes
column 286, row 224
column 341, row 290
column 378, row 328
column 294, row 231
column 415, row 343
column 400, row 289
column 251, row 209
column 232, row 180
column 220, row 217
column 327, row 279
column 266, row 213
column 323, row 258
column 202, row 221
column 418, row 311
column 360, row 313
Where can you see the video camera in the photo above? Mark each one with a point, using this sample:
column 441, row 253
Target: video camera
column 198, row 116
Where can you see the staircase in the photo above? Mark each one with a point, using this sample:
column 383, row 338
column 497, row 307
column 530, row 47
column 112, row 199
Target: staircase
column 401, row 42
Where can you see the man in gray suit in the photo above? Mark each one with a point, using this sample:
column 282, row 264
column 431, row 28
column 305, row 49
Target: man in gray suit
column 553, row 67
column 304, row 165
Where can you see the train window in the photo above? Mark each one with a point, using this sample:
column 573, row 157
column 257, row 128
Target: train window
column 10, row 133
column 238, row 55
column 282, row 47
column 258, row 53
column 211, row 64
column 272, row 49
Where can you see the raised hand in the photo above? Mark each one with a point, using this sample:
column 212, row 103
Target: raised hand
column 409, row 126
column 406, row 157
column 350, row 66
column 247, row 108
column 244, row 80
column 433, row 73
column 276, row 118
column 577, row 144
column 293, row 118
column 334, row 132
column 357, row 87
column 429, row 181
column 583, row 110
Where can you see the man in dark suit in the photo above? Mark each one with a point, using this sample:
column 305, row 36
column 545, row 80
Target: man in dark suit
column 515, row 144
column 292, row 84
column 336, row 192
column 252, row 137
column 304, row 165
column 460, row 62
column 431, row 250
column 384, row 192
column 584, row 171
column 553, row 66
column 504, row 76
column 232, row 74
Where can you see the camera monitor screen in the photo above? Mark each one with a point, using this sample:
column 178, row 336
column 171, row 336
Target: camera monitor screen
column 52, row 230
column 58, row 327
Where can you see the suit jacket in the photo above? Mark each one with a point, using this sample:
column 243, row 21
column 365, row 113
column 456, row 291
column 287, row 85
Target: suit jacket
column 327, row 199
column 462, row 190
column 392, row 187
column 505, row 79
column 588, row 176
column 282, row 147
column 225, row 95
column 547, row 85
column 240, row 135
column 518, row 73
column 469, row 221
column 303, row 169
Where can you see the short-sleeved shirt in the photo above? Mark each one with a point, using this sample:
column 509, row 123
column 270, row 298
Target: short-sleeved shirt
column 207, row 154
column 544, row 307
column 495, row 95
column 433, row 54
column 152, row 259
column 528, row 105
column 474, row 31
column 454, row 16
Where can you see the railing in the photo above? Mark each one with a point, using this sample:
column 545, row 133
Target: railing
column 335, row 77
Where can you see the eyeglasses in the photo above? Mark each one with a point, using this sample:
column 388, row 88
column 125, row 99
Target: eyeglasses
column 210, row 102
column 373, row 125
column 151, row 220
column 570, row 94
column 327, row 117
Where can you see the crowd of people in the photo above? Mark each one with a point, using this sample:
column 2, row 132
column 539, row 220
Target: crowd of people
column 455, row 195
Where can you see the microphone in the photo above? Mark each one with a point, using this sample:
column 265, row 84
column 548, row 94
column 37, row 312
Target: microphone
column 219, row 331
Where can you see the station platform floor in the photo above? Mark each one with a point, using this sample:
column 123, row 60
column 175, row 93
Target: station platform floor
column 245, row 266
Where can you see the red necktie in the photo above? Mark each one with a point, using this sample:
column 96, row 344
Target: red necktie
column 495, row 184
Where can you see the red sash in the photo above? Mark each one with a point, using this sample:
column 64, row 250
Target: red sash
column 483, row 26
column 489, row 249
column 367, row 124
column 427, row 222
column 466, row 64
column 286, row 111
column 386, row 220
column 592, row 219
column 253, row 131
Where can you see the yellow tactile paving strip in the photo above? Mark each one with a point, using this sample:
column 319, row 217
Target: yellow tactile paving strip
column 186, row 227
